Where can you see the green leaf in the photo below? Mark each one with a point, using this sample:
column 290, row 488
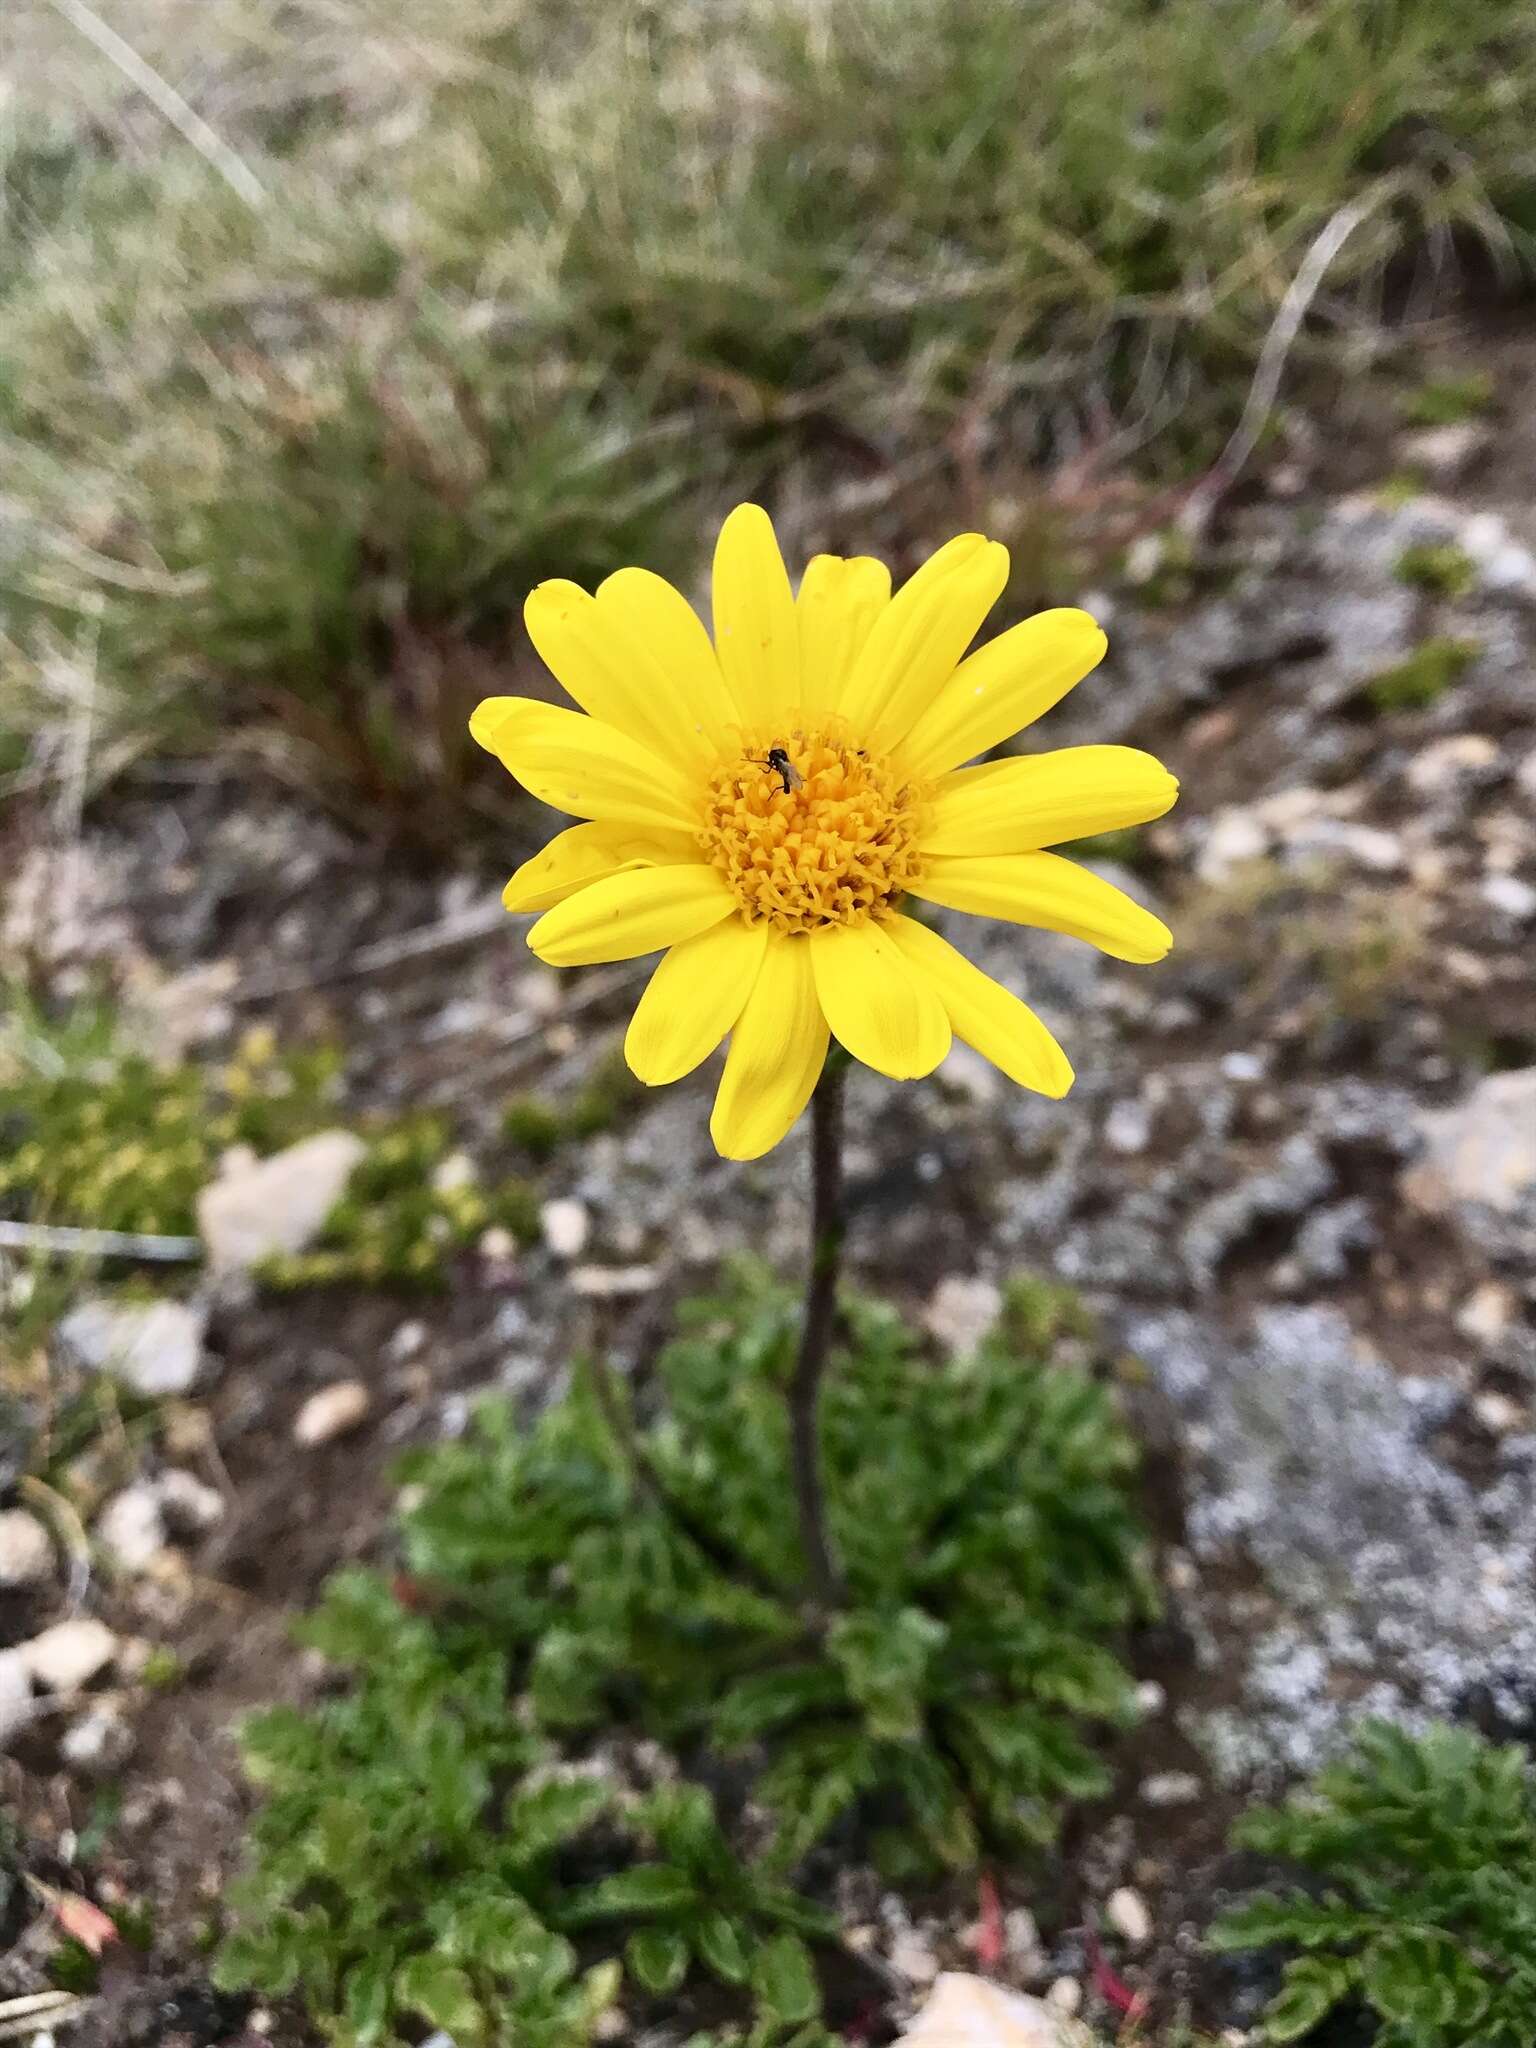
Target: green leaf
column 440, row 1992
column 1312, row 1988
column 722, row 1947
column 366, row 1998
column 648, row 1888
column 1420, row 1978
column 885, row 1660
column 657, row 1959
column 550, row 1815
column 784, row 1981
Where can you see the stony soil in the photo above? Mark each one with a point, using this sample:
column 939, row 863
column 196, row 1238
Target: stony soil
column 1296, row 1179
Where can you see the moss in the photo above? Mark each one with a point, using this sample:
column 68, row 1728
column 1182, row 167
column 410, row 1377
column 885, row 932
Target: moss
column 1438, row 567
column 540, row 1125
column 1424, row 677
column 1447, row 401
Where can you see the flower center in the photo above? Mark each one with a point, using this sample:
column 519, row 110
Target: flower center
column 810, row 830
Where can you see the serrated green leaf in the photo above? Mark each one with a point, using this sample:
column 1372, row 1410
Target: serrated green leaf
column 784, row 1981
column 440, row 1992
column 648, row 1888
column 1312, row 1988
column 552, row 1814
column 657, row 1959
column 366, row 1998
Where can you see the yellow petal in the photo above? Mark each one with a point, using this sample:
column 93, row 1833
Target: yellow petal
column 756, row 638
column 1045, row 890
column 911, row 652
column 590, row 853
column 637, row 912
column 667, row 636
column 1040, row 799
column 692, row 1000
column 1003, row 687
column 839, row 602
column 885, row 1015
column 777, row 1052
column 603, row 656
column 585, row 766
column 986, row 1015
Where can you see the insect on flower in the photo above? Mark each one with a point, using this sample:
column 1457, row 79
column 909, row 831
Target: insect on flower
column 782, row 930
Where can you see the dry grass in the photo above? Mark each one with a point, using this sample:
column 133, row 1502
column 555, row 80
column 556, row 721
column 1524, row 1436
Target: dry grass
column 540, row 289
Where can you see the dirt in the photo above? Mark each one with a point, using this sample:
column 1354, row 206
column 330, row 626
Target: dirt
column 1251, row 1040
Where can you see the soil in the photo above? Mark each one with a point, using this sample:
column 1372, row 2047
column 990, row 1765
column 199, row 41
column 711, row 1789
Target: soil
column 1276, row 1070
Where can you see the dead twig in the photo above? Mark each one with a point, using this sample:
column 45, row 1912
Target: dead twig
column 63, row 1241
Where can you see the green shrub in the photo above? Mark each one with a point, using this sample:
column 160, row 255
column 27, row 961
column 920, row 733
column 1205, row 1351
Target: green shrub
column 1427, row 1848
column 594, row 1577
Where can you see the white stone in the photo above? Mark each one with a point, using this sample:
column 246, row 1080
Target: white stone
column 1243, row 1066
column 258, row 1209
column 613, row 1283
column 1525, row 774
column 1233, row 837
column 1443, row 453
column 1497, row 1413
column 331, row 1413
column 1128, row 1127
column 69, row 1654
column 131, row 1528
column 1509, row 896
column 1126, row 1911
column 26, row 1553
column 99, row 1742
column 1364, row 846
column 15, row 1695
column 497, row 1246
column 1444, row 762
column 457, row 1171
column 912, row 1957
column 963, row 2011
column 970, row 1075
column 1065, row 1995
column 1150, row 1697
column 1171, row 1788
column 187, row 1504
column 961, row 1311
column 156, row 1347
column 567, row 1226
column 1481, row 1150
column 1487, row 1312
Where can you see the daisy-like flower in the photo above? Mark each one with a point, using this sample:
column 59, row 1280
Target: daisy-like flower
column 760, row 810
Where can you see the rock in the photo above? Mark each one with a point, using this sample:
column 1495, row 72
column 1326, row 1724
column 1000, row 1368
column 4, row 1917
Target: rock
column 1151, row 1698
column 187, row 1504
column 156, row 1347
column 1233, row 838
column 1443, row 455
column 1505, row 567
column 1126, row 1911
column 259, row 1208
column 99, row 1743
column 1021, row 1941
column 331, row 1413
column 1171, row 1788
column 15, row 1695
column 1497, row 1413
column 1444, row 763
column 1065, row 1995
column 1128, row 1127
column 1363, row 846
column 131, row 1528
column 69, row 1654
column 912, row 1957
column 26, row 1551
column 963, row 2011
column 1482, row 1150
column 457, row 1171
column 613, row 1283
column 497, row 1247
column 962, row 1311
column 1487, row 1312
column 567, row 1226
column 1509, row 896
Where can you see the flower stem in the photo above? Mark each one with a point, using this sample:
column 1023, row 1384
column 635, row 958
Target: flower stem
column 827, row 1231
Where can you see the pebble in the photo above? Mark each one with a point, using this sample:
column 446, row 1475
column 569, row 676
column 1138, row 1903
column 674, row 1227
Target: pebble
column 1444, row 454
column 567, row 1226
column 1151, row 1698
column 26, row 1552
column 1128, row 1127
column 457, row 1171
column 965, row 2011
column 407, row 1340
column 100, row 1742
column 1065, row 1995
column 497, row 1246
column 612, row 1283
column 1171, row 1788
column 131, row 1528
column 157, row 1348
column 1443, row 762
column 1487, row 1312
column 331, row 1413
column 912, row 1958
column 1483, row 1149
column 1243, row 1066
column 1126, row 1911
column 69, row 1654
column 1497, row 1413
column 258, row 1208
column 187, row 1504
column 1234, row 838
column 962, row 1309
column 15, row 1695
column 1509, row 896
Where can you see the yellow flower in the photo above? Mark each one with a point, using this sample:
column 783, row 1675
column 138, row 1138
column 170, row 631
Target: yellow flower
column 761, row 807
